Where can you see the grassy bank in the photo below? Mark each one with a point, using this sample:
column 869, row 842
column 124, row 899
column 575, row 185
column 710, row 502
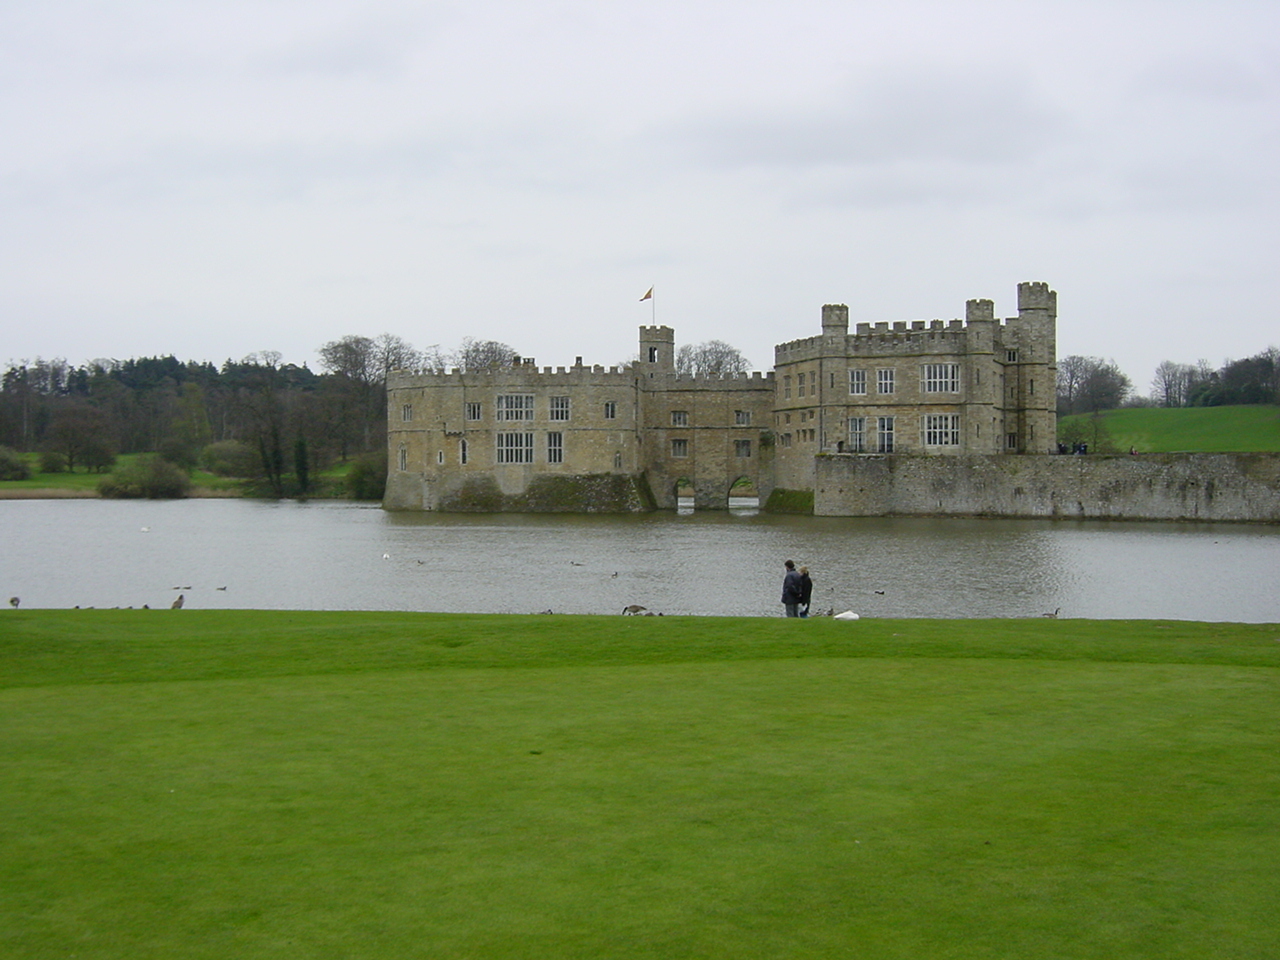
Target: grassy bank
column 254, row 784
column 1240, row 429
column 329, row 483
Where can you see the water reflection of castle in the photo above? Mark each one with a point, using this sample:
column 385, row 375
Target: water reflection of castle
column 596, row 438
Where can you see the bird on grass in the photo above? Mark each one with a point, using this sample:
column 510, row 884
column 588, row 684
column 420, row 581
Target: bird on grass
column 1054, row 615
column 633, row 609
column 177, row 604
column 13, row 602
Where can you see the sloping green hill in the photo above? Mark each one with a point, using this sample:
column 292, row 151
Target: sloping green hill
column 1240, row 429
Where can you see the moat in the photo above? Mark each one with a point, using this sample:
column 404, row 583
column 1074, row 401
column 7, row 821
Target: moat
column 235, row 554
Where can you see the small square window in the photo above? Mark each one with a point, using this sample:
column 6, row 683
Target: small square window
column 679, row 418
column 742, row 448
column 679, row 448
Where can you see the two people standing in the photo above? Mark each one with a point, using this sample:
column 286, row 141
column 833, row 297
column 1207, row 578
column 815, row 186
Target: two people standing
column 797, row 589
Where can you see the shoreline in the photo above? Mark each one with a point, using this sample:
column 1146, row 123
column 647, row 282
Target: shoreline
column 68, row 493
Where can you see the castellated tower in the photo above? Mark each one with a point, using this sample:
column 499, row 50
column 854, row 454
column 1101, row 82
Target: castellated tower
column 1038, row 313
column 1034, row 333
column 657, row 349
column 835, row 320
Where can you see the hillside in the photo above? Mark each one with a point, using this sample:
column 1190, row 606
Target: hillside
column 1238, row 429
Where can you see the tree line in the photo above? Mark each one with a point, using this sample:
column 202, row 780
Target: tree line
column 260, row 418
column 1091, row 384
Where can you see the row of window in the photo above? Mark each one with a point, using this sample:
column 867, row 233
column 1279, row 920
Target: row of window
column 519, row 406
column 934, row 378
column 512, row 448
column 940, row 430
column 519, row 448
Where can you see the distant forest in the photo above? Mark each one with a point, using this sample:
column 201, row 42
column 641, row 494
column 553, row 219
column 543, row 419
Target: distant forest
column 1091, row 384
column 257, row 417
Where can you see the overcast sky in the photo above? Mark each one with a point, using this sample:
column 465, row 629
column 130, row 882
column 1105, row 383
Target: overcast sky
column 211, row 179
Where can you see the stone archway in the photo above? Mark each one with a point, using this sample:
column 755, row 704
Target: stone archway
column 744, row 495
column 684, row 495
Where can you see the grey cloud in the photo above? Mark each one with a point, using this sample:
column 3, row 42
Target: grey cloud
column 371, row 44
column 970, row 119
column 1223, row 80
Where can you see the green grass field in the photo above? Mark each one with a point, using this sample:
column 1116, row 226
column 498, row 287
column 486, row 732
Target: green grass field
column 1242, row 429
column 205, row 784
column 328, row 482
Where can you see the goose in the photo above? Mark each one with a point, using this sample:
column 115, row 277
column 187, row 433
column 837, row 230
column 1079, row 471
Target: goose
column 177, row 604
column 1053, row 615
column 633, row 609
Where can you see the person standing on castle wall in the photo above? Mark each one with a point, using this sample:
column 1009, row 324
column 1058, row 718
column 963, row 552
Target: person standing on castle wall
column 791, row 590
column 806, row 591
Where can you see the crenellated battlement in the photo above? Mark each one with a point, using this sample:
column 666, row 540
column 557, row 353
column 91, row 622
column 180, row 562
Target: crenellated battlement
column 727, row 381
column 1037, row 296
column 518, row 374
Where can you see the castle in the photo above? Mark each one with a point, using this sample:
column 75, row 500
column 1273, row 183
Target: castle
column 586, row 438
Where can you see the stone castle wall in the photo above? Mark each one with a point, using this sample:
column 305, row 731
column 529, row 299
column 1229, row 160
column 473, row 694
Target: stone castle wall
column 448, row 447
column 1207, row 487
column 626, row 436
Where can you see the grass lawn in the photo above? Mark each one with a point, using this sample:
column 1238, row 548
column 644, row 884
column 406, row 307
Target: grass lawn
column 1239, row 429
column 328, row 482
column 214, row 784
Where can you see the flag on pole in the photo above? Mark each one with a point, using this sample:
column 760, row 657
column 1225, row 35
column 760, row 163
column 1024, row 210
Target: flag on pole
column 647, row 296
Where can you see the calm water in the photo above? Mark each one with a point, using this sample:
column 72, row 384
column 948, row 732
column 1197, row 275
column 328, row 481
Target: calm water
column 340, row 556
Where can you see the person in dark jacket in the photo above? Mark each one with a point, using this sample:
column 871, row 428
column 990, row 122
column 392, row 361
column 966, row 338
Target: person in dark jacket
column 791, row 590
column 806, row 591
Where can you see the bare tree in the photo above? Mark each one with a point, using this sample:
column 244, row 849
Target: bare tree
column 352, row 357
column 1089, row 384
column 711, row 358
column 1171, row 385
column 393, row 353
column 432, row 360
column 476, row 354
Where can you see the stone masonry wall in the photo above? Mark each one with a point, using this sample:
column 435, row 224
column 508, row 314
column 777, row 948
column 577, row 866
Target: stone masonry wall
column 1224, row 487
